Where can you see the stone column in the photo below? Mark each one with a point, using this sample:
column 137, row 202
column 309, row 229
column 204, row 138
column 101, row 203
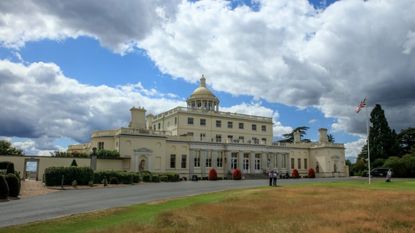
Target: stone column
column 228, row 161
column 203, row 155
column 252, row 162
column 191, row 163
column 240, row 160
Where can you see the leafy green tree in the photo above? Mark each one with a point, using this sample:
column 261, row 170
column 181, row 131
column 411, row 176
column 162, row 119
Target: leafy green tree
column 289, row 137
column 406, row 139
column 383, row 141
column 107, row 154
column 330, row 138
column 6, row 148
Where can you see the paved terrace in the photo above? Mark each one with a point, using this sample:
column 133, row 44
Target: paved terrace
column 63, row 203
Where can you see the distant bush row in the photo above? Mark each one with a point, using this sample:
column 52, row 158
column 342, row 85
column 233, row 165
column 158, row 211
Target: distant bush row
column 85, row 176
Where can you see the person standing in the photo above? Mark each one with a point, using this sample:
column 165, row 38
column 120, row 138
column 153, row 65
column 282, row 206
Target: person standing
column 274, row 178
column 388, row 175
column 270, row 176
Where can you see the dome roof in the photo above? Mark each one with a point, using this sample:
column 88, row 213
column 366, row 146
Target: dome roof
column 202, row 92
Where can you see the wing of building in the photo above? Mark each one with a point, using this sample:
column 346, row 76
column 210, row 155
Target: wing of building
column 191, row 140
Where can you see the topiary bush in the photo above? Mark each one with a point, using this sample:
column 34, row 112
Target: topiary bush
column 74, row 164
column 82, row 175
column 311, row 173
column 14, row 185
column 163, row 178
column 122, row 176
column 155, row 178
column 295, row 174
column 173, row 177
column 7, row 166
column 213, row 175
column 236, row 174
column 4, row 187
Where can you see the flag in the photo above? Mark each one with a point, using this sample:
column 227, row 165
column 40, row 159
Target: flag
column 361, row 105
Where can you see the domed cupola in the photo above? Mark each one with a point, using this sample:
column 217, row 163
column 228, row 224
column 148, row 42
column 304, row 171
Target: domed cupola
column 203, row 98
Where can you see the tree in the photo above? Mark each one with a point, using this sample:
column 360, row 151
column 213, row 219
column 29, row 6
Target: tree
column 406, row 139
column 6, row 148
column 330, row 138
column 383, row 141
column 289, row 137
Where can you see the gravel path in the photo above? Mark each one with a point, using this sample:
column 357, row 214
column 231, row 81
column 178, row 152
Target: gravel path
column 67, row 202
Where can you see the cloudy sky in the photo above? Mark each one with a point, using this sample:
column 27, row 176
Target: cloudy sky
column 68, row 68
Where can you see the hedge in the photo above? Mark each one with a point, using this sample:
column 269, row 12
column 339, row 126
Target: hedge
column 82, row 175
column 14, row 185
column 4, row 187
column 122, row 177
column 8, row 166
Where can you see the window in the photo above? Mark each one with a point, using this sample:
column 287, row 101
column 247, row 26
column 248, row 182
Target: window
column 264, row 128
column 202, row 121
column 305, row 164
column 230, row 124
column 292, row 163
column 255, row 140
column 197, row 161
column 218, row 124
column 218, row 138
column 234, row 161
column 154, row 126
column 184, row 161
column 219, row 161
column 230, row 138
column 257, row 161
column 100, row 145
column 264, row 141
column 241, row 125
column 190, row 120
column 189, row 133
column 159, row 126
column 175, row 121
column 202, row 136
column 253, row 127
column 299, row 163
column 241, row 139
column 172, row 161
column 246, row 162
column 209, row 161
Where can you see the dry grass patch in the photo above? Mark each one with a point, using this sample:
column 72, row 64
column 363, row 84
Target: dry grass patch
column 292, row 209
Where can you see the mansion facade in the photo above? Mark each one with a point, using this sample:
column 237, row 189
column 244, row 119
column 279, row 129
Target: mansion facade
column 194, row 139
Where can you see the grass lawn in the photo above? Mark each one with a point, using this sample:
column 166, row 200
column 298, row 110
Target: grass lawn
column 351, row 206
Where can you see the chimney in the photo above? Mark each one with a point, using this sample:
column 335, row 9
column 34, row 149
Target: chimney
column 297, row 136
column 323, row 135
column 138, row 119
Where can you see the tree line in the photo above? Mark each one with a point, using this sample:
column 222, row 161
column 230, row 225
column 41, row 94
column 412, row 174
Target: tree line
column 388, row 149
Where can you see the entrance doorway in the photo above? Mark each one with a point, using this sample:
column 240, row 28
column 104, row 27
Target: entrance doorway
column 31, row 169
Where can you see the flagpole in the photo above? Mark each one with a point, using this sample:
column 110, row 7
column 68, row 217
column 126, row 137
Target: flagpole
column 368, row 148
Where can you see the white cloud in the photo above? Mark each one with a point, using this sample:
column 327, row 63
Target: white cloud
column 290, row 53
column 44, row 105
column 354, row 148
column 118, row 25
column 285, row 51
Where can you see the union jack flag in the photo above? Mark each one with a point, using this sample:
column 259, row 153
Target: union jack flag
column 361, row 105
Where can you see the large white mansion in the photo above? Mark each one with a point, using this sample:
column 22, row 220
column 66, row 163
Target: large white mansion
column 191, row 140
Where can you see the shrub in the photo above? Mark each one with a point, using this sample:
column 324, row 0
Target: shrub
column 401, row 167
column 163, row 178
column 311, row 173
column 14, row 185
column 122, row 176
column 82, row 175
column 4, row 188
column 146, row 177
column 213, row 175
column 155, row 178
column 7, row 166
column 173, row 177
column 108, row 154
column 295, row 174
column 236, row 174
column 114, row 180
